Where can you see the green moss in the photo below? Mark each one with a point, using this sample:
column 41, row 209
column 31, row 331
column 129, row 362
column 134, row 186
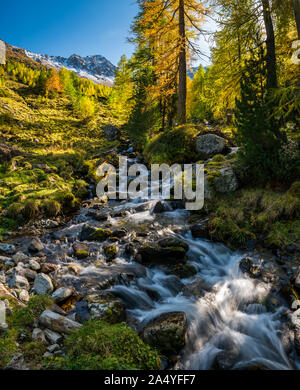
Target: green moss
column 81, row 254
column 219, row 158
column 110, row 252
column 25, row 316
column 99, row 346
column 81, row 189
column 33, row 353
column 101, row 234
column 172, row 146
column 295, row 189
column 8, row 347
column 15, row 210
column 284, row 233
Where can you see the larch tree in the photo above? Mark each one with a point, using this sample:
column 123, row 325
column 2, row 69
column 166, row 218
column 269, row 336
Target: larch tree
column 171, row 28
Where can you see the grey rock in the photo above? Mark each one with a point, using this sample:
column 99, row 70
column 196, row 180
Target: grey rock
column 17, row 363
column 227, row 182
column 7, row 249
column 62, row 294
column 86, row 232
column 58, row 323
column 53, row 347
column 24, row 296
column 36, row 245
column 208, row 145
column 5, row 259
column 43, row 284
column 38, row 336
column 34, row 265
column 166, row 332
column 19, row 257
column 53, row 337
column 19, row 282
column 112, row 132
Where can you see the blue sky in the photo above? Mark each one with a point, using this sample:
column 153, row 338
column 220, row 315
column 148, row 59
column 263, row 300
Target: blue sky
column 64, row 27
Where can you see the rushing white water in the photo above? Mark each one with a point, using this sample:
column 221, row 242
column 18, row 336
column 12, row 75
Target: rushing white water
column 229, row 317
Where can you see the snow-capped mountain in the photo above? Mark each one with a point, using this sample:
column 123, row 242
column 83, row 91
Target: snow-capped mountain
column 96, row 68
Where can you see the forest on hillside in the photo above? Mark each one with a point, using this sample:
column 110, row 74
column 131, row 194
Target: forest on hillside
column 93, row 283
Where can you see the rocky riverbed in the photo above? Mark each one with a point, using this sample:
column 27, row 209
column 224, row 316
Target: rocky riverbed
column 200, row 304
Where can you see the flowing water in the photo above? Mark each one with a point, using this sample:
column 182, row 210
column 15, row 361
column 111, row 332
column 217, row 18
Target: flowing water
column 228, row 316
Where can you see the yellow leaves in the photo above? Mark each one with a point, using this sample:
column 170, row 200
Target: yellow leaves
column 160, row 32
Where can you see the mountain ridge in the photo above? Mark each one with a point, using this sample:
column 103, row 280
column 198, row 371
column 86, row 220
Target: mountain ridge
column 94, row 67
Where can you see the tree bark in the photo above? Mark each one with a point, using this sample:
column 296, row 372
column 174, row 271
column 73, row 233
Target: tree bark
column 271, row 52
column 296, row 6
column 182, row 88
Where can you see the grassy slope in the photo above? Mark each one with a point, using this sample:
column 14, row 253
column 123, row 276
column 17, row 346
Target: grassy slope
column 58, row 152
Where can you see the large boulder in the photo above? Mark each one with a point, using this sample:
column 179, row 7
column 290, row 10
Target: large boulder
column 58, row 323
column 166, row 332
column 170, row 242
column 154, row 254
column 43, row 284
column 112, row 133
column 227, row 181
column 106, row 308
column 86, row 232
column 208, row 145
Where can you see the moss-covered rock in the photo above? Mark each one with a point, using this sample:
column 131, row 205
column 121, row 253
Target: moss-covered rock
column 154, row 254
column 106, row 308
column 110, row 252
column 101, row 234
column 166, row 332
column 184, row 270
column 81, row 250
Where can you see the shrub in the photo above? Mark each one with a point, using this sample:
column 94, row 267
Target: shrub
column 15, row 210
column 51, row 207
column 31, row 209
column 102, row 346
column 67, row 200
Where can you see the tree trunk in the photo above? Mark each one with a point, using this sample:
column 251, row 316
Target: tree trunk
column 181, row 110
column 296, row 6
column 271, row 53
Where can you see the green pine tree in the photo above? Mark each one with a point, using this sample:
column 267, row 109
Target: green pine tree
column 257, row 132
